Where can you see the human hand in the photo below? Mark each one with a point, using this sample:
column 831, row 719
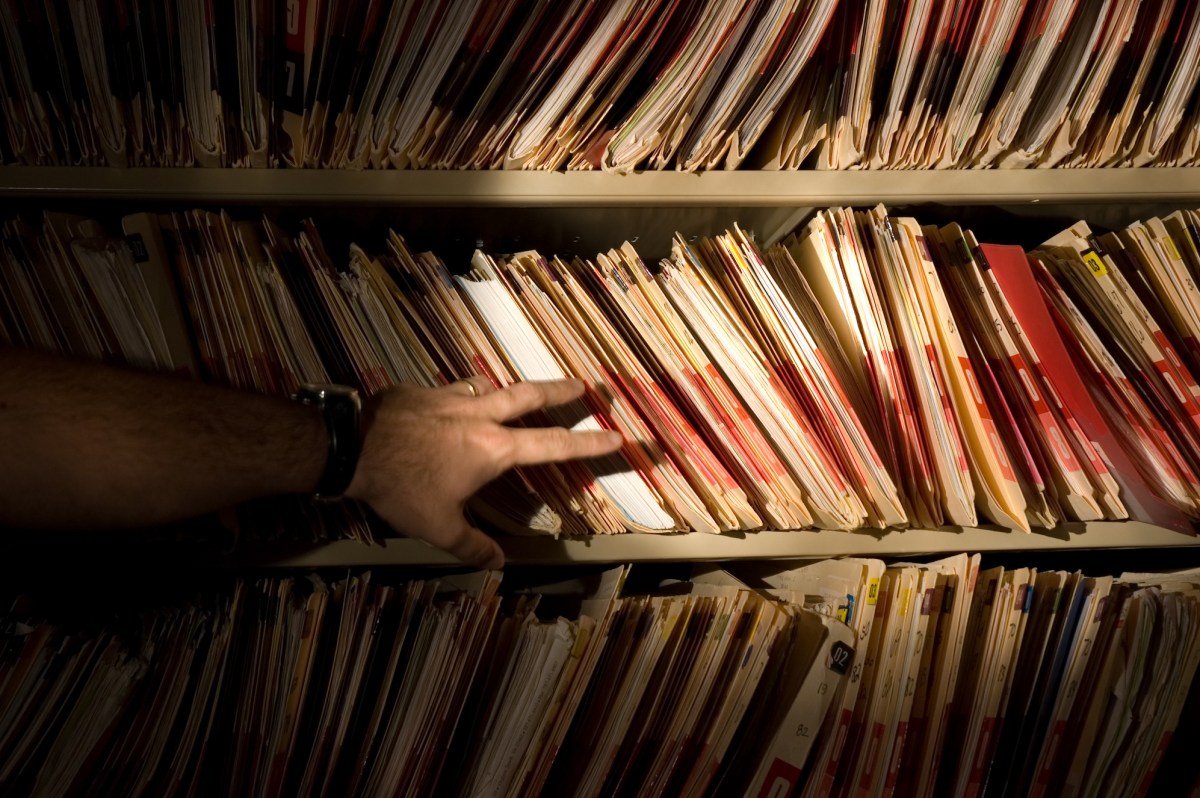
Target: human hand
column 427, row 450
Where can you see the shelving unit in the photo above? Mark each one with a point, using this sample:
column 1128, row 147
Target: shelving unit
column 213, row 655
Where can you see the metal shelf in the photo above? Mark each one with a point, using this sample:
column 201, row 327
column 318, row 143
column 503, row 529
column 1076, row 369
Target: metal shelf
column 753, row 545
column 500, row 188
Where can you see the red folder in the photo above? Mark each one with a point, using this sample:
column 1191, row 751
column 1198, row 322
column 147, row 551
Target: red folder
column 1016, row 279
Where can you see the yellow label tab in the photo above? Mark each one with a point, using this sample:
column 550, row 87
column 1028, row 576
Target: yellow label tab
column 1170, row 242
column 1095, row 263
column 581, row 641
column 873, row 591
column 719, row 627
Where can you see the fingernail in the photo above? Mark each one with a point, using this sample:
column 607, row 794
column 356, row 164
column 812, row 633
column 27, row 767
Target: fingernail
column 614, row 438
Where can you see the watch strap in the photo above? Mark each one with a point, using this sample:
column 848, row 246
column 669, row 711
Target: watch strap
column 341, row 409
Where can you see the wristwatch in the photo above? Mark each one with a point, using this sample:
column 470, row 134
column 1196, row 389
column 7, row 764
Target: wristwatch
column 341, row 408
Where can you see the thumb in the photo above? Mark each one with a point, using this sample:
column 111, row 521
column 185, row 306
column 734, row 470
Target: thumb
column 473, row 547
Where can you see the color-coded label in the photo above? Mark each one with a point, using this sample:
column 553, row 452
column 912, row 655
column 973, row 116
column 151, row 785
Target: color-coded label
column 780, row 781
column 924, row 245
column 841, row 657
column 1170, row 244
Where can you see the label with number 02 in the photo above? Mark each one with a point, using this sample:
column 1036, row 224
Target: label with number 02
column 841, row 656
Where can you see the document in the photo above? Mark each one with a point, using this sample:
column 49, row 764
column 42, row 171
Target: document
column 1015, row 278
column 531, row 357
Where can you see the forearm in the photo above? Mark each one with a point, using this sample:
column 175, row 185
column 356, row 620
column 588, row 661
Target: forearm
column 86, row 445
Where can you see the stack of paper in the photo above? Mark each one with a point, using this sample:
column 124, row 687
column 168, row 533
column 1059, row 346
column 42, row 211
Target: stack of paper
column 86, row 292
column 810, row 389
column 620, row 283
column 683, row 687
column 1057, row 466
column 684, row 466
column 457, row 347
column 843, row 677
column 1128, row 352
column 573, row 107
column 533, row 341
column 755, row 86
column 852, row 262
column 689, row 281
column 887, row 731
column 621, row 85
column 864, row 372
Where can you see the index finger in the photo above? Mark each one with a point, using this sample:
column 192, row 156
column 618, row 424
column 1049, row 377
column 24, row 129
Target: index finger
column 521, row 398
column 556, row 444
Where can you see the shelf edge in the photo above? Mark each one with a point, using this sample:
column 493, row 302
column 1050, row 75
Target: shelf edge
column 500, row 188
column 759, row 545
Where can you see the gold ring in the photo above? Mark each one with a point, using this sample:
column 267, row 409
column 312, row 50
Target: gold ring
column 471, row 387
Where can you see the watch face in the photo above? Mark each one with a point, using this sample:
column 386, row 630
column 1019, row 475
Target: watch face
column 324, row 392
